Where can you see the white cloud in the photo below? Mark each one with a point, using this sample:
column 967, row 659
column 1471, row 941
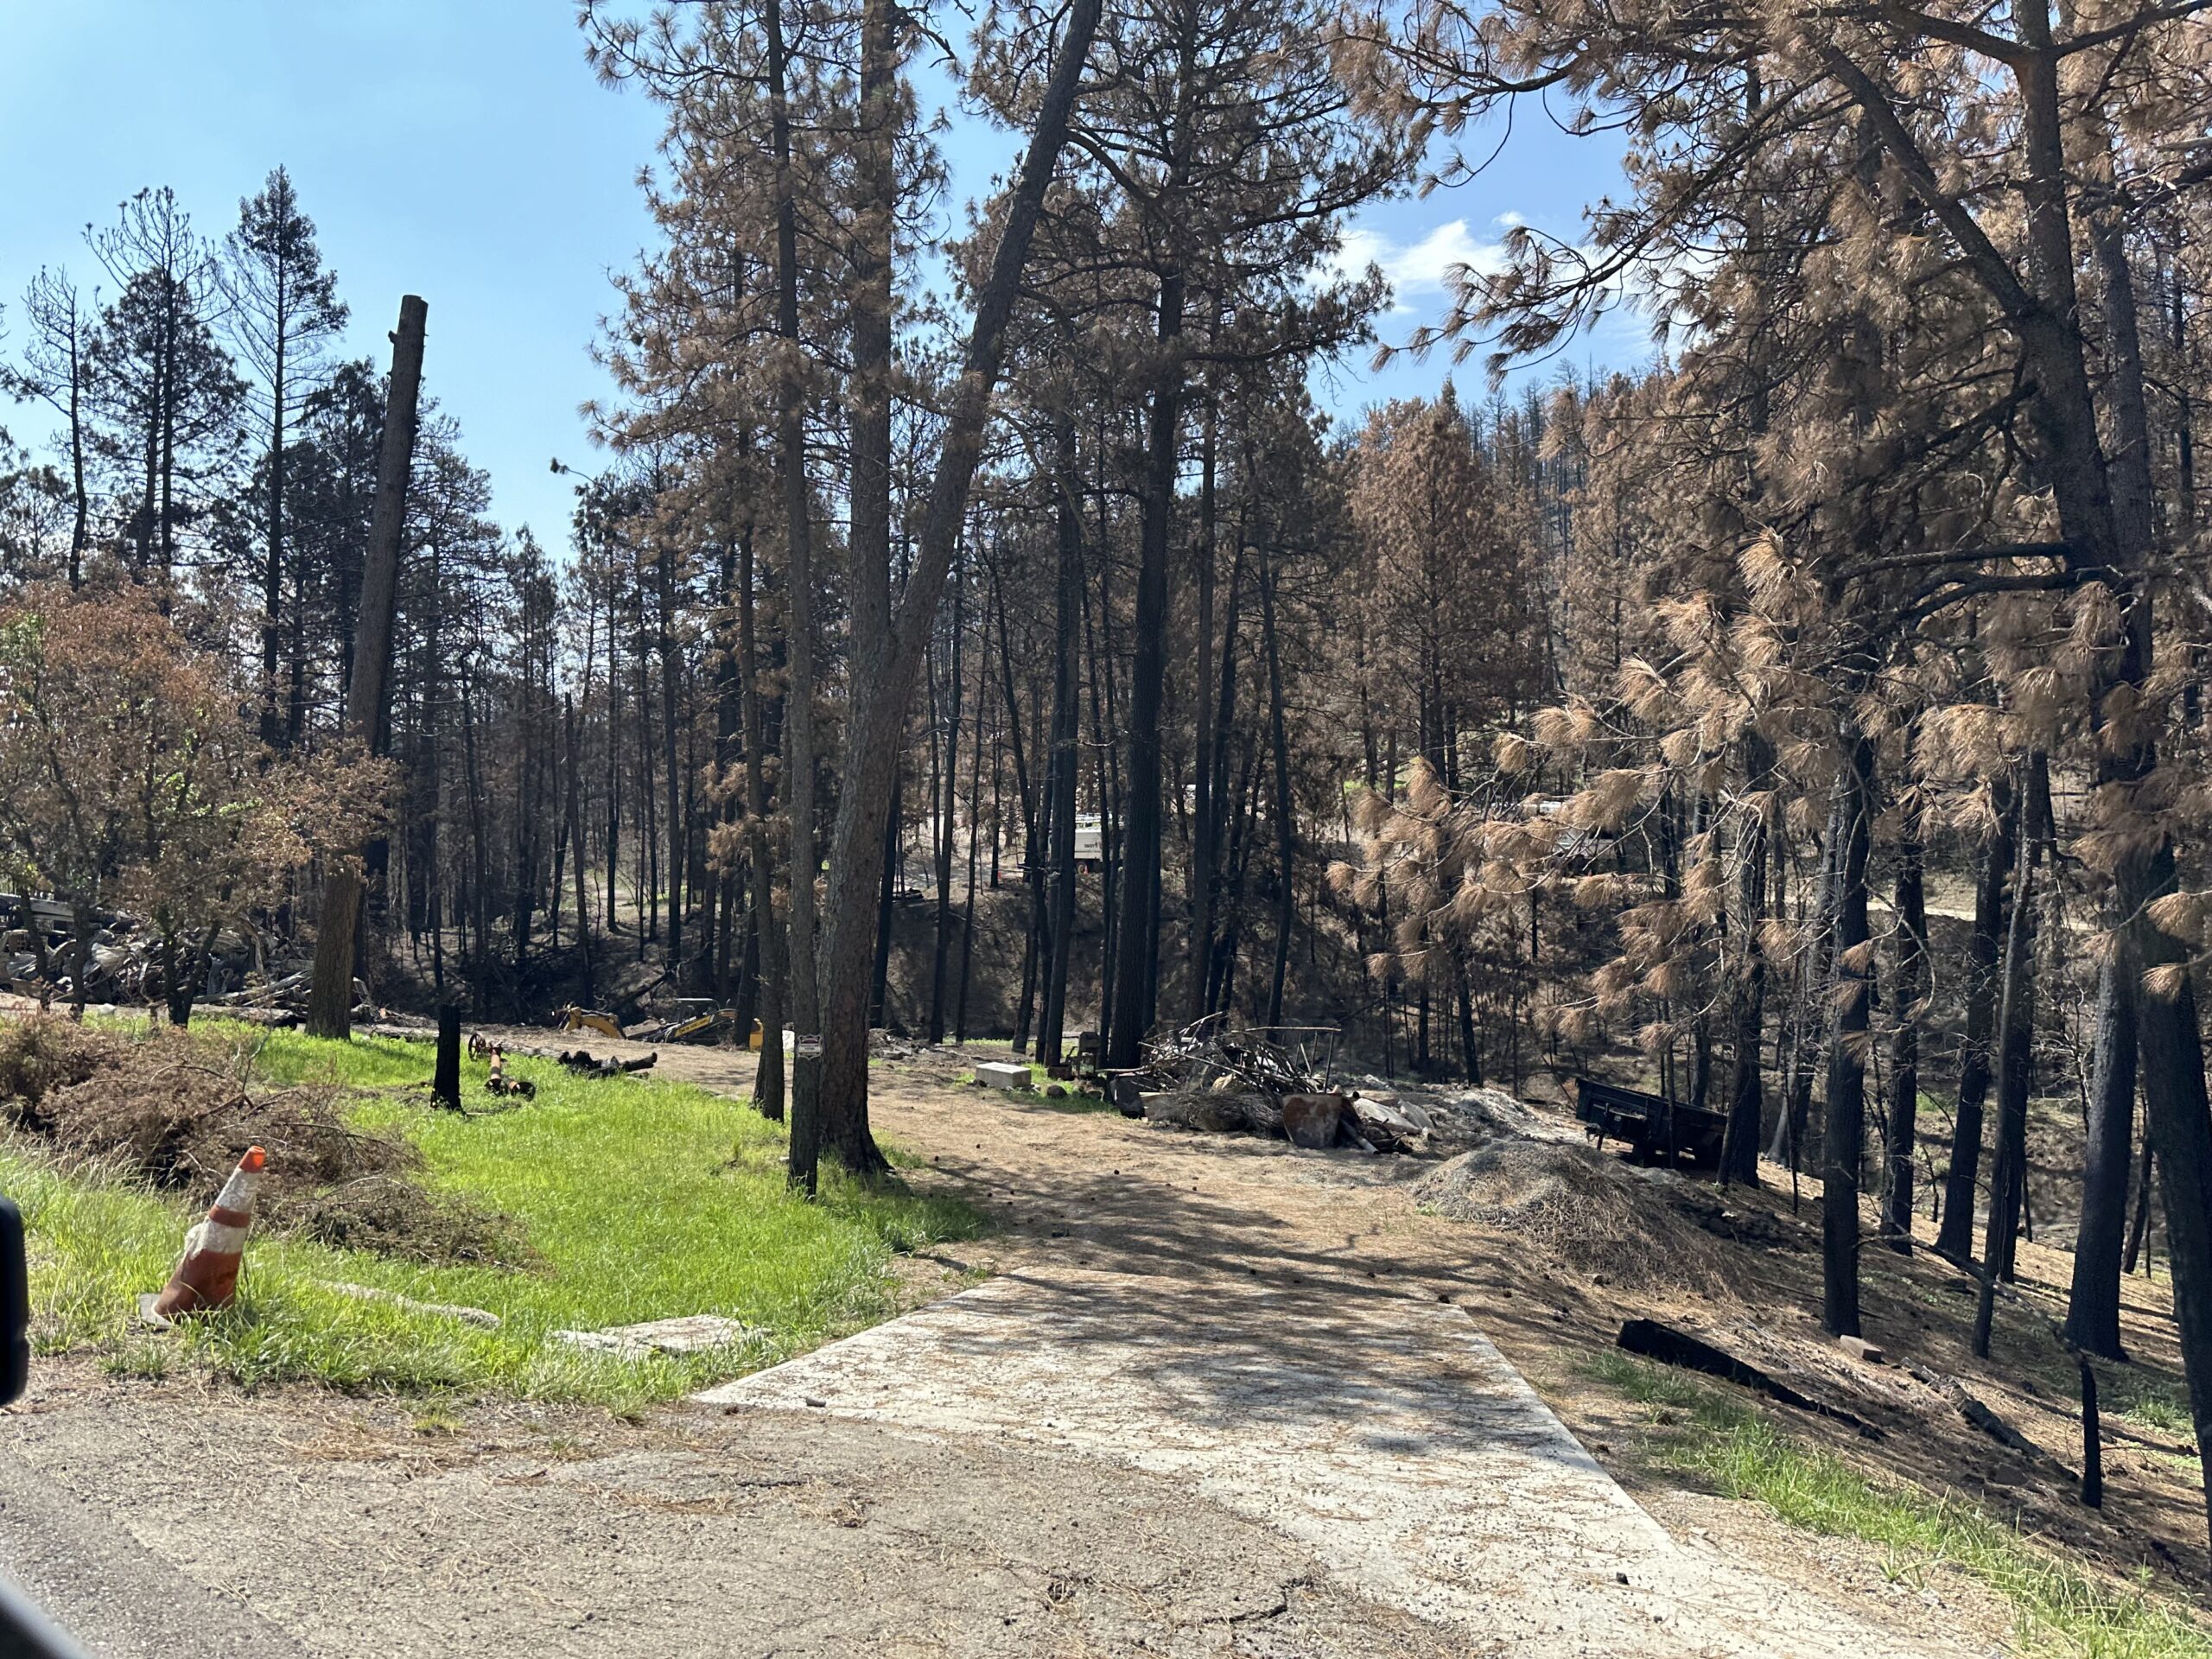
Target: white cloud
column 1419, row 269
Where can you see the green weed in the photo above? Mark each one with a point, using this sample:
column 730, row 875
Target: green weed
column 2061, row 1608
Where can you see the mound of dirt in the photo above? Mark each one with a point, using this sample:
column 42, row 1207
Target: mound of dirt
column 1595, row 1215
column 165, row 1108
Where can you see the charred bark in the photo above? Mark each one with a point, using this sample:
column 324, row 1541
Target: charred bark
column 330, row 999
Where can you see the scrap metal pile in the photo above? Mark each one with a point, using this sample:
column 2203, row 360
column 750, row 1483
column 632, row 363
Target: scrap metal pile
column 38, row 947
column 1226, row 1079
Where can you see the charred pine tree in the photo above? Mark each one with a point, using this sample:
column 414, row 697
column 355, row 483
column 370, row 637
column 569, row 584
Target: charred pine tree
column 1740, row 1157
column 1992, row 890
column 768, row 1072
column 1067, row 604
column 947, row 811
column 1286, row 809
column 2016, row 1033
column 1907, row 986
column 1844, row 1146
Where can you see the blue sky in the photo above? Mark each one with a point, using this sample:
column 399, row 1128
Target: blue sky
column 463, row 150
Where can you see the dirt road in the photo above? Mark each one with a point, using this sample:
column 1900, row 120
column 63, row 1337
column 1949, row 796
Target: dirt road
column 163, row 1518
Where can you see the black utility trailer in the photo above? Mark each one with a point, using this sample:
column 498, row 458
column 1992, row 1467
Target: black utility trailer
column 1657, row 1129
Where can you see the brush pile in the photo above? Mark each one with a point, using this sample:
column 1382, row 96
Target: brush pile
column 169, row 1110
column 1221, row 1079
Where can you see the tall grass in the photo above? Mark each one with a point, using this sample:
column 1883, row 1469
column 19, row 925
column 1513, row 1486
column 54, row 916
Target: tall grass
column 2061, row 1608
column 640, row 1199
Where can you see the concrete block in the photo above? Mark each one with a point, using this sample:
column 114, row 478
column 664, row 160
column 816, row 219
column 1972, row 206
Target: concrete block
column 1000, row 1074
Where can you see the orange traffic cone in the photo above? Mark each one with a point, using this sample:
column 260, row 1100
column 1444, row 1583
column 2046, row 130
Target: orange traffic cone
column 208, row 1276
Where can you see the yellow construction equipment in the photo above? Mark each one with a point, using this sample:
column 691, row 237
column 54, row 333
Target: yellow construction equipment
column 576, row 1019
column 697, row 1020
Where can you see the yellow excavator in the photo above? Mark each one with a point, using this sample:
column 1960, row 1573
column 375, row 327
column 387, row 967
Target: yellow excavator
column 697, row 1020
column 576, row 1019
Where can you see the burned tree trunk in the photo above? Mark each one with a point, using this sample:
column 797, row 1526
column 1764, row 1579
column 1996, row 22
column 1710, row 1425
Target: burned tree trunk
column 1906, row 990
column 1847, row 1089
column 1136, row 956
column 672, row 770
column 330, row 999
column 1740, row 1156
column 2016, row 1036
column 1286, row 823
column 576, row 839
column 445, row 1074
column 1955, row 1232
column 948, row 813
column 1065, row 758
column 2093, row 1302
column 768, row 1070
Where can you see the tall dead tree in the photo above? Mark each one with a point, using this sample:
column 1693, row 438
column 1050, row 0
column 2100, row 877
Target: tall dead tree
column 330, row 998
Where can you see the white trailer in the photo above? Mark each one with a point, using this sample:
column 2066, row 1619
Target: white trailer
column 1089, row 838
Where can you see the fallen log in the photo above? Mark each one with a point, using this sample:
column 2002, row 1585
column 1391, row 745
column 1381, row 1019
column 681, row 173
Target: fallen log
column 585, row 1063
column 1984, row 1419
column 1671, row 1347
column 2171, row 1449
column 2091, row 1481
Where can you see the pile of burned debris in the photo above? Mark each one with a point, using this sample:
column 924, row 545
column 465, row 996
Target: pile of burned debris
column 124, row 961
column 1221, row 1078
column 38, row 948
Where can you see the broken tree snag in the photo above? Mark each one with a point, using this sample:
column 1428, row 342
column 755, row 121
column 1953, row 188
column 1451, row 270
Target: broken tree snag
column 1671, row 1347
column 330, row 994
column 2092, row 1453
column 445, row 1077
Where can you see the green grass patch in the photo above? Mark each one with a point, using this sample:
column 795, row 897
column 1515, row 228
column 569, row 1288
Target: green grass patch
column 2151, row 1403
column 640, row 1199
column 1075, row 1100
column 2061, row 1608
